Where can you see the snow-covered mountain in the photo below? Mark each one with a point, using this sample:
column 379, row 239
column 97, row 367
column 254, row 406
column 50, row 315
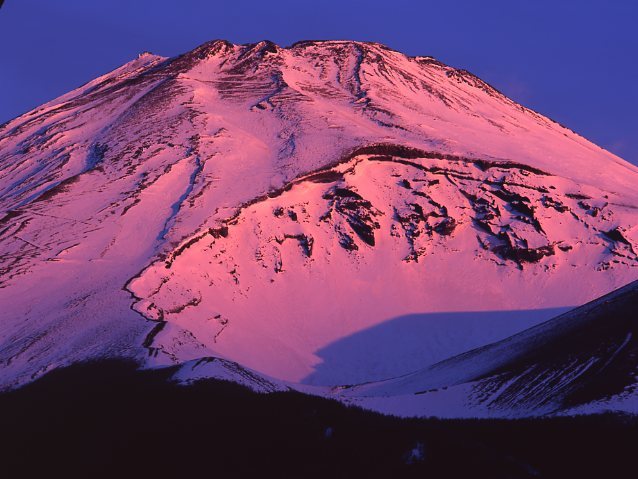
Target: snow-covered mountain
column 324, row 214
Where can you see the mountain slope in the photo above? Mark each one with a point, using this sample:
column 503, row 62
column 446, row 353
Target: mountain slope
column 375, row 238
column 585, row 360
column 442, row 195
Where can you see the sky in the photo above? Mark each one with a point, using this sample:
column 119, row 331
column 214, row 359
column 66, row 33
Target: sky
column 575, row 61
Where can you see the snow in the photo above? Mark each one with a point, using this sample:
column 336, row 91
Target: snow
column 577, row 363
column 217, row 368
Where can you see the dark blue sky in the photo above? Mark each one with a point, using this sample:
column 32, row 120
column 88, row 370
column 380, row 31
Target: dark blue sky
column 574, row 61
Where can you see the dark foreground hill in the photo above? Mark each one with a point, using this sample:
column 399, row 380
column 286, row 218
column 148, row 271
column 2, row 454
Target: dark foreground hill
column 109, row 419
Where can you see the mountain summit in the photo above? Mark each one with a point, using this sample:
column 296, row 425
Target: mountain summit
column 329, row 213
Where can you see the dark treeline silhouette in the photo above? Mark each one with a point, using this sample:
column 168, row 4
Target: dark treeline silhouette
column 111, row 420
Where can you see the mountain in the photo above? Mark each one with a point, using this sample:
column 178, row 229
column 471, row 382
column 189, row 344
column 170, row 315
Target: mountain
column 324, row 214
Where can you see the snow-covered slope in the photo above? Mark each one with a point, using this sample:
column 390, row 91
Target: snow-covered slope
column 277, row 206
column 376, row 238
column 585, row 360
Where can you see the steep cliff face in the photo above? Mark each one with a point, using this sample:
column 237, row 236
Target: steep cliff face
column 262, row 203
